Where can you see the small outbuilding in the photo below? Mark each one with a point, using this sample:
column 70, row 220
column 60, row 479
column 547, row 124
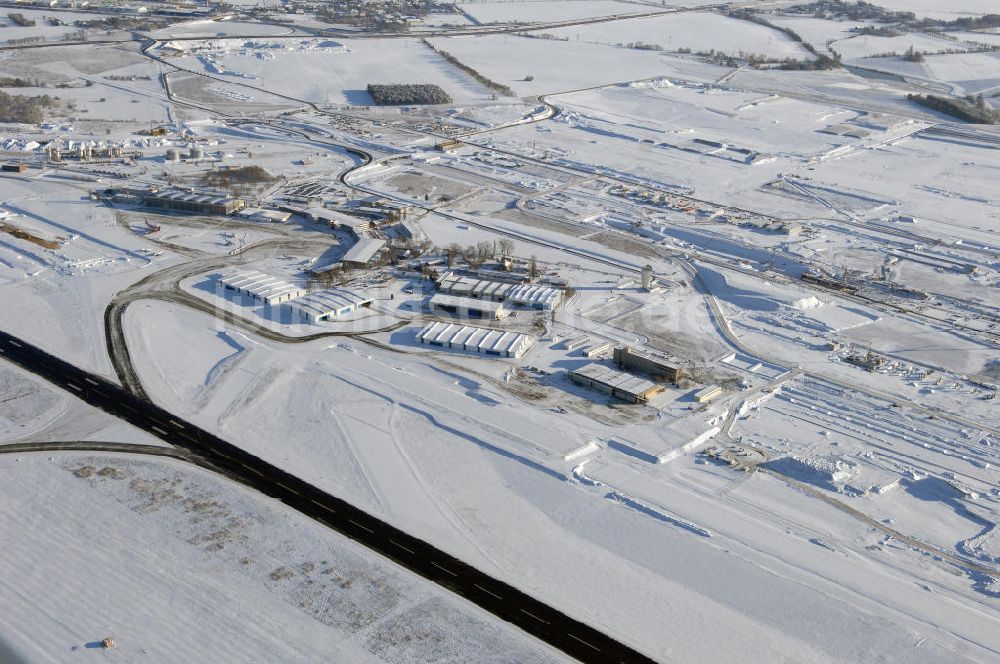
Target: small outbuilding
column 706, row 394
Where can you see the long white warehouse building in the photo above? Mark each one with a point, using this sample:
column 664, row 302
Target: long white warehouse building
column 326, row 304
column 476, row 339
column 260, row 287
column 525, row 295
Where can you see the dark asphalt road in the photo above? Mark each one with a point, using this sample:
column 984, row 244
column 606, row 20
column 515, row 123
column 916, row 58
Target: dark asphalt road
column 506, row 602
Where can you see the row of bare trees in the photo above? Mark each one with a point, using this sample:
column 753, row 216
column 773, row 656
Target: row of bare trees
column 475, row 255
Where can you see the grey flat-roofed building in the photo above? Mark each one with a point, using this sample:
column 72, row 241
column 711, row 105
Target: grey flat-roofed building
column 646, row 362
column 501, row 343
column 260, row 287
column 618, row 384
column 326, row 304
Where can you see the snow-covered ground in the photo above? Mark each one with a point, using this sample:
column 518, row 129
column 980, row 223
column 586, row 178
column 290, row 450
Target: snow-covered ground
column 948, row 10
column 424, row 443
column 509, row 60
column 327, row 71
column 545, row 10
column 700, row 32
column 856, row 49
column 812, row 510
column 178, row 565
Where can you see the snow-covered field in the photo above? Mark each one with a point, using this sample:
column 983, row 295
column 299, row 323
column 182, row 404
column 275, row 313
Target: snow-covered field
column 545, row 10
column 546, row 61
column 42, row 30
column 700, row 32
column 943, row 9
column 823, row 252
column 855, row 50
column 450, row 449
column 177, row 565
column 329, row 71
column 816, row 31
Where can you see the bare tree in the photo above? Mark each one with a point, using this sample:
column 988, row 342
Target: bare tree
column 533, row 267
column 472, row 256
column 506, row 247
column 452, row 253
column 484, row 250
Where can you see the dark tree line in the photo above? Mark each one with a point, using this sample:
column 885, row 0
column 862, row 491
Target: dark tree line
column 491, row 85
column 975, row 111
column 401, row 94
column 21, row 20
column 21, row 108
column 236, row 176
column 822, row 60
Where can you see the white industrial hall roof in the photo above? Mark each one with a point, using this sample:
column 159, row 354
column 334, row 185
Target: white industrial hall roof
column 478, row 339
column 528, row 295
column 534, row 296
column 329, row 302
column 186, row 197
column 261, row 286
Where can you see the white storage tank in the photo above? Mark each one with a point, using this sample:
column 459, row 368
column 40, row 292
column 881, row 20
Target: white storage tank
column 173, row 154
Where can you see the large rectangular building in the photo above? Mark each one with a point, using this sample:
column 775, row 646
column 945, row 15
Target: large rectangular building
column 618, row 384
column 467, row 307
column 525, row 295
column 190, row 202
column 326, row 304
column 535, row 297
column 655, row 365
column 501, row 343
column 463, row 286
column 364, row 251
column 260, row 287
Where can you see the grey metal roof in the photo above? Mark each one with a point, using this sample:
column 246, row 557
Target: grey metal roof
column 619, row 380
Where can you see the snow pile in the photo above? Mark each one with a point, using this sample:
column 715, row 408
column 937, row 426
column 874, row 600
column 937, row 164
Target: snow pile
column 814, row 470
column 810, row 302
column 752, row 404
column 655, row 83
